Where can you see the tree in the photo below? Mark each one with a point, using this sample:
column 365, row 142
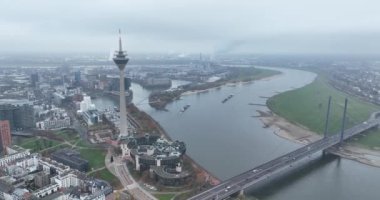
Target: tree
column 117, row 150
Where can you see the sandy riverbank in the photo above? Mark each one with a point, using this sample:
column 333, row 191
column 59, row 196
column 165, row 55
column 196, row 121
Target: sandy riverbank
column 229, row 84
column 196, row 91
column 299, row 134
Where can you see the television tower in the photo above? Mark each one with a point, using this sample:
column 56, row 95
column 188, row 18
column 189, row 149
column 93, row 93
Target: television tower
column 120, row 59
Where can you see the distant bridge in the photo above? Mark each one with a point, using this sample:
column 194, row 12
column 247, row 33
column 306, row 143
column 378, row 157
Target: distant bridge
column 260, row 173
column 25, row 134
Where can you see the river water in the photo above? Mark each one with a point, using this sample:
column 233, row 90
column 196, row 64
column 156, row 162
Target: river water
column 226, row 139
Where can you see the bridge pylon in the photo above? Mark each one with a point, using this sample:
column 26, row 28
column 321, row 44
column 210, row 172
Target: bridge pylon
column 327, row 118
column 343, row 120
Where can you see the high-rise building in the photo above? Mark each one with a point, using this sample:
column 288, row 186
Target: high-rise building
column 114, row 84
column 77, row 78
column 34, row 79
column 7, row 113
column 121, row 61
column 86, row 104
column 5, row 135
column 19, row 116
column 24, row 116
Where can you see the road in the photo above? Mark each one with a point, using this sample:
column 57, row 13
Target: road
column 120, row 170
column 284, row 162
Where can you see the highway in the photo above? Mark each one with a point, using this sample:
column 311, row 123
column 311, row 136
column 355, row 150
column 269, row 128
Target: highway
column 262, row 172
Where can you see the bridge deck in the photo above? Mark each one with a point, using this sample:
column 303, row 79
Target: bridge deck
column 260, row 173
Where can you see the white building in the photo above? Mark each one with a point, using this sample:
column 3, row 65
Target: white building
column 48, row 163
column 92, row 117
column 54, row 123
column 125, row 151
column 13, row 155
column 67, row 180
column 86, row 104
column 56, row 118
column 72, row 91
column 20, row 163
column 23, row 166
column 42, row 192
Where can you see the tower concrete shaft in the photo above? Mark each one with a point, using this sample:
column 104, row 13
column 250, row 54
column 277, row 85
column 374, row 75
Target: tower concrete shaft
column 121, row 61
column 123, row 107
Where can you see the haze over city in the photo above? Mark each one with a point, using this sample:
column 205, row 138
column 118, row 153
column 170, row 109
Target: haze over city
column 170, row 26
column 189, row 100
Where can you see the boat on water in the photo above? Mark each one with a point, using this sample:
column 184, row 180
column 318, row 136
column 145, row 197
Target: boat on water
column 185, row 108
column 228, row 98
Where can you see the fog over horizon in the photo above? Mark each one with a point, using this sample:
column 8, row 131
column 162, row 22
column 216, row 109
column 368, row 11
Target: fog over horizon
column 191, row 26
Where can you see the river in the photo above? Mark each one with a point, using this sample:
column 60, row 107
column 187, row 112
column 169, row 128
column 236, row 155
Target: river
column 226, row 139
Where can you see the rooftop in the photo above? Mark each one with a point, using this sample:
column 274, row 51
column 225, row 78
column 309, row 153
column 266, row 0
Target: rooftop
column 169, row 173
column 69, row 155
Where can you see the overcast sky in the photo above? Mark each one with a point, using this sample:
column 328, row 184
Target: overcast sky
column 191, row 26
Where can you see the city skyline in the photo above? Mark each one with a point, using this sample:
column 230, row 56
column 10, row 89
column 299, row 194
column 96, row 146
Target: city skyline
column 221, row 99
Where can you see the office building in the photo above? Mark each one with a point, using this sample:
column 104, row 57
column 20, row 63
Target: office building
column 34, row 79
column 5, row 135
column 114, row 84
column 77, row 78
column 92, row 117
column 86, row 104
column 19, row 116
column 71, row 158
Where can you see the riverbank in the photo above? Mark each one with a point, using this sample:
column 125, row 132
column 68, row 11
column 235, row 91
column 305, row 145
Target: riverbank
column 161, row 131
column 287, row 130
column 203, row 178
column 304, row 109
column 237, row 75
column 299, row 134
column 231, row 84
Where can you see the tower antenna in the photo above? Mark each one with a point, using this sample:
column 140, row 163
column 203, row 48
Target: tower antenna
column 120, row 45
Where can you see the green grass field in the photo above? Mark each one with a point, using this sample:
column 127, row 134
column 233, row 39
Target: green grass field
column 83, row 144
column 68, row 134
column 107, row 176
column 38, row 144
column 94, row 156
column 308, row 106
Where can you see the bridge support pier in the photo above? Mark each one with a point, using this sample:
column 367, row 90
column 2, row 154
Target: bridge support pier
column 241, row 194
